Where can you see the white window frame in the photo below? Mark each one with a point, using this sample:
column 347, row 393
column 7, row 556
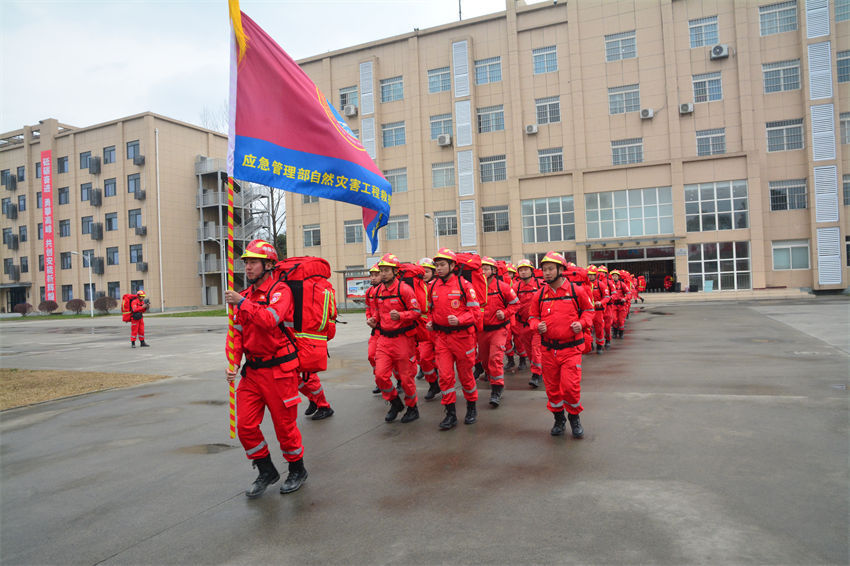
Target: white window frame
column 550, row 160
column 397, row 228
column 790, row 194
column 347, row 95
column 781, row 76
column 439, row 80
column 620, row 46
column 353, row 231
column 788, row 246
column 842, row 10
column 392, row 89
column 773, row 16
column 842, row 63
column 844, row 125
column 791, row 130
column 443, row 174
column 623, row 99
column 711, row 142
column 627, row 151
column 490, row 118
column 312, row 235
column 705, row 261
column 544, row 59
column 309, row 199
column 537, row 216
column 631, row 212
column 492, row 168
column 446, row 222
column 703, row 32
column 548, row 110
column 488, row 70
column 497, row 218
column 708, row 87
column 440, row 124
column 397, row 179
column 846, row 188
column 719, row 202
column 393, row 134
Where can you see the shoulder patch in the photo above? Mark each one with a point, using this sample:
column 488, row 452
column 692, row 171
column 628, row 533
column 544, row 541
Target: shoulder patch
column 275, row 298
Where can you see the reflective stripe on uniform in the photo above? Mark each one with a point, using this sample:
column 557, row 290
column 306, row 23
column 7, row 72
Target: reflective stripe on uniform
column 428, row 372
column 515, row 301
column 473, row 304
column 470, row 391
column 325, row 310
column 290, row 400
column 311, row 336
column 576, row 406
column 274, row 314
column 388, row 390
column 237, row 327
column 256, row 448
column 447, row 391
column 469, row 352
column 294, row 452
column 557, row 405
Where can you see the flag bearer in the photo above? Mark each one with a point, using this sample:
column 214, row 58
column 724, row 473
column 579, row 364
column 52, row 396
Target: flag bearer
column 374, row 281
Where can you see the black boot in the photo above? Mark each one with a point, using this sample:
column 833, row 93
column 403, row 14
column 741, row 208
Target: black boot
column 575, row 424
column 411, row 415
column 144, row 344
column 311, row 408
column 471, row 413
column 421, row 374
column 296, row 478
column 132, row 343
column 268, row 475
column 396, row 406
column 523, row 363
column 450, row 420
column 323, row 413
column 479, row 369
column 534, row 381
column 376, row 390
column 599, row 349
column 433, row 389
column 607, row 343
column 510, row 364
column 496, row 394
column 560, row 424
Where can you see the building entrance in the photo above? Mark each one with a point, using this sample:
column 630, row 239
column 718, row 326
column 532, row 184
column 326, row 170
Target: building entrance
column 653, row 263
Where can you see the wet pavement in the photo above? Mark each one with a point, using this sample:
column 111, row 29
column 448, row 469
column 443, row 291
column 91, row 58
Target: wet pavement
column 715, row 433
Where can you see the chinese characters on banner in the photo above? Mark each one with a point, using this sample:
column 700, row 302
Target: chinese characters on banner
column 47, row 210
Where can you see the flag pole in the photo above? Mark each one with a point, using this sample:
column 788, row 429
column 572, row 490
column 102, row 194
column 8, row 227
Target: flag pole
column 232, row 308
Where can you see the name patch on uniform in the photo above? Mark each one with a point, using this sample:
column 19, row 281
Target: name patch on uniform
column 275, row 298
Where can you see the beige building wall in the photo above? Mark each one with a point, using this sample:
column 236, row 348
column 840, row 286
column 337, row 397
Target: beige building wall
column 664, row 68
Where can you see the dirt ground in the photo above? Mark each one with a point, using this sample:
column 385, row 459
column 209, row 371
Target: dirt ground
column 19, row 387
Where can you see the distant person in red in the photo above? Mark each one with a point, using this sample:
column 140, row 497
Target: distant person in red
column 668, row 283
column 138, row 306
column 528, row 344
column 427, row 359
column 502, row 303
column 641, row 287
column 600, row 298
column 374, row 281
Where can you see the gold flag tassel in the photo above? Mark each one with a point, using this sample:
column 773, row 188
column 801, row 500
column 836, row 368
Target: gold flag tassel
column 238, row 32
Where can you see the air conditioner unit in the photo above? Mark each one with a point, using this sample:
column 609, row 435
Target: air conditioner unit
column 96, row 197
column 139, row 195
column 350, row 110
column 444, row 140
column 719, row 51
column 97, row 231
column 141, row 230
column 141, row 266
column 12, row 184
column 14, row 273
column 686, row 108
column 531, row 129
column 647, row 113
column 97, row 265
column 94, row 165
column 12, row 211
column 12, row 242
column 139, row 160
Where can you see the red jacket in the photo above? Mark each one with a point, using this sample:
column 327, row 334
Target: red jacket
column 258, row 331
column 138, row 305
column 559, row 308
column 398, row 296
column 500, row 296
column 448, row 298
column 370, row 301
column 619, row 292
column 599, row 294
column 526, row 291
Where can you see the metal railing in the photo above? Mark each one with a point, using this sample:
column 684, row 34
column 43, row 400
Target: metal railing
column 218, row 265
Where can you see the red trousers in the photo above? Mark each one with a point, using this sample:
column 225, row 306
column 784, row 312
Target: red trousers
column 562, row 377
column 516, row 330
column 396, row 355
column 427, row 362
column 619, row 315
column 372, row 350
column 312, row 389
column 599, row 327
column 491, row 353
column 608, row 320
column 258, row 390
column 530, row 344
column 455, row 349
column 137, row 328
column 509, row 340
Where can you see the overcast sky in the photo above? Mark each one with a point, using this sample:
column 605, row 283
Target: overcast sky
column 86, row 62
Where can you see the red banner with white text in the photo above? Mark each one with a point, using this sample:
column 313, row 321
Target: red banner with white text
column 47, row 210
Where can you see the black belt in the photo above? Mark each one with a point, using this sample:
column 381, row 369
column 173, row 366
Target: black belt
column 491, row 327
column 448, row 329
column 258, row 363
column 599, row 309
column 398, row 331
column 562, row 345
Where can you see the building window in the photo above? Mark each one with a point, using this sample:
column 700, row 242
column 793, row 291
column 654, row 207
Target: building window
column 113, row 289
column 781, row 76
column 134, row 218
column 89, row 290
column 843, row 120
column 843, row 63
column 5, row 176
column 136, row 253
column 38, row 169
column 441, row 124
column 22, row 199
column 545, row 59
column 846, row 187
column 842, row 10
column 136, row 285
column 620, row 46
column 109, row 188
column 446, row 222
column 22, row 173
column 112, row 256
column 8, row 263
column 776, row 18
column 707, row 87
column 785, row 135
column 22, row 233
column 550, row 160
column 7, row 235
column 632, row 212
column 716, row 206
column 134, row 183
column 491, row 119
column 109, row 154
column 548, row 110
column 41, row 262
column 40, row 231
column 65, row 260
column 133, row 149
column 492, row 168
column 86, row 222
column 439, row 80
column 398, row 228
column 353, row 231
column 488, row 70
column 84, row 159
column 312, row 235
column 67, row 293
column 726, row 265
column 711, row 142
column 347, row 95
column 703, row 31
column 63, row 195
column 356, row 133
column 787, row 195
column 790, row 254
column 624, row 99
column 111, row 221
column 392, row 89
column 85, row 192
column 7, row 202
column 64, row 228
column 397, row 179
column 308, row 199
column 627, row 151
column 443, row 174
column 495, row 219
column 393, row 134
column 548, row 220
column 38, row 199
column 25, row 264
column 62, row 165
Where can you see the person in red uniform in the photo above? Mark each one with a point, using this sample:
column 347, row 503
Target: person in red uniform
column 529, row 343
column 455, row 310
column 559, row 314
column 374, row 281
column 138, row 306
column 396, row 316
column 600, row 298
column 311, row 387
column 502, row 303
column 427, row 359
column 608, row 313
column 641, row 287
column 620, row 299
column 269, row 376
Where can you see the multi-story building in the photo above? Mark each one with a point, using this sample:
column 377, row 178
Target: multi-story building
column 141, row 200
column 702, row 139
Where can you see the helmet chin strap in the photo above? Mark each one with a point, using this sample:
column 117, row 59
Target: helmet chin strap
column 266, row 271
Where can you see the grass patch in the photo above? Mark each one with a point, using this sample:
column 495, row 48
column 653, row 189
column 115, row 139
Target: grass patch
column 215, row 312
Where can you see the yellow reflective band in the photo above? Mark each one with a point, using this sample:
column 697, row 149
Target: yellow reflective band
column 311, row 336
column 325, row 310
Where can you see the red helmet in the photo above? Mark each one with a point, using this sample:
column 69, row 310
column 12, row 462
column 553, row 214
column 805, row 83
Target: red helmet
column 488, row 261
column 554, row 257
column 141, row 293
column 510, row 267
column 260, row 249
column 375, row 269
column 445, row 253
column 427, row 262
column 602, row 269
column 389, row 260
column 525, row 263
column 591, row 269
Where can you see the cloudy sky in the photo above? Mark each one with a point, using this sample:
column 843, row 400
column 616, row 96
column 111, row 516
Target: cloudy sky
column 86, row 62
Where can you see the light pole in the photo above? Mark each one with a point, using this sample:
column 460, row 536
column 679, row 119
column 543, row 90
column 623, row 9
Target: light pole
column 91, row 289
column 436, row 231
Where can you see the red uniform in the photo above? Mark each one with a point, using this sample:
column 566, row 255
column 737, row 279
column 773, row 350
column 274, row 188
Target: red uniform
column 269, row 377
column 561, row 347
column 425, row 347
column 137, row 325
column 529, row 341
column 608, row 314
column 600, row 298
column 455, row 345
column 620, row 300
column 311, row 387
column 491, row 341
column 396, row 345
column 371, row 312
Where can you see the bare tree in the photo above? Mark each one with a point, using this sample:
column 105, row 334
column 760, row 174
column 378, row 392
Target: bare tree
column 216, row 119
